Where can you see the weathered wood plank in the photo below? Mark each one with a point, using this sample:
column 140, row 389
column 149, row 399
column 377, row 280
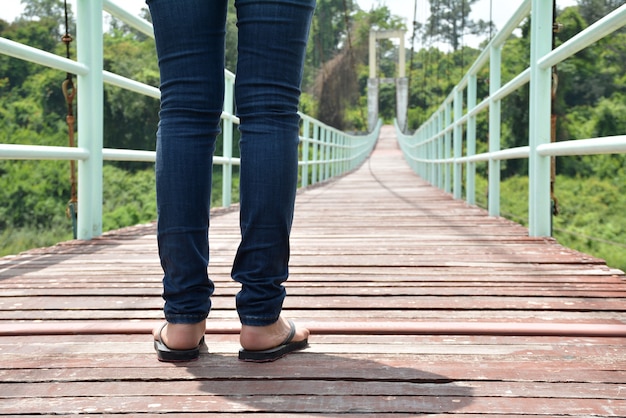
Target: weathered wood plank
column 378, row 246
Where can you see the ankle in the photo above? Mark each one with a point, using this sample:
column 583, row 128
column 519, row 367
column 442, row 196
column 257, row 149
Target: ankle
column 182, row 336
column 265, row 337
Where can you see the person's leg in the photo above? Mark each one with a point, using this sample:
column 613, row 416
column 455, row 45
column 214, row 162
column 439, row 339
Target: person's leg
column 272, row 44
column 190, row 45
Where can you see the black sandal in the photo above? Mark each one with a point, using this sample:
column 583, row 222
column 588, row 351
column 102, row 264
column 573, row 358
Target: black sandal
column 166, row 354
column 272, row 354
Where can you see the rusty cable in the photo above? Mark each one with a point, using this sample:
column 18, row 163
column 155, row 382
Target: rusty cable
column 69, row 92
column 553, row 117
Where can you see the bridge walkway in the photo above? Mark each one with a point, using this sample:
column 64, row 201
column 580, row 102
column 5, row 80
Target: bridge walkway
column 419, row 305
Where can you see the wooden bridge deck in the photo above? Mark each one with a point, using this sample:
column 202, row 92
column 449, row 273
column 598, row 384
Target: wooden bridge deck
column 419, row 305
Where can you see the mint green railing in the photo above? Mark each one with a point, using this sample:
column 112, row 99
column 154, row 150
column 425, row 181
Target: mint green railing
column 435, row 150
column 325, row 151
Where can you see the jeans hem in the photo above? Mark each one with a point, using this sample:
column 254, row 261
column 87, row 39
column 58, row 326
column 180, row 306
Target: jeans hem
column 256, row 321
column 185, row 319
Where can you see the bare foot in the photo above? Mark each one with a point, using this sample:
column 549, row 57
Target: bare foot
column 262, row 338
column 181, row 336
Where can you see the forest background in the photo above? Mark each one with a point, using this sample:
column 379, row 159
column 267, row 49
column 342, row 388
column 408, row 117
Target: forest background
column 590, row 191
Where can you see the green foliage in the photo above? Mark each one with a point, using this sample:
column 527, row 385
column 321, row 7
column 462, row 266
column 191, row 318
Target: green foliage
column 340, row 85
column 34, row 194
column 449, row 21
column 130, row 119
column 128, row 198
column 590, row 218
column 328, row 30
column 16, row 240
column 590, row 102
column 593, row 10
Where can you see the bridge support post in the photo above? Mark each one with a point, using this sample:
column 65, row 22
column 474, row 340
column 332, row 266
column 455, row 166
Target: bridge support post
column 372, row 103
column 539, row 204
column 90, row 88
column 402, row 85
column 402, row 101
column 495, row 131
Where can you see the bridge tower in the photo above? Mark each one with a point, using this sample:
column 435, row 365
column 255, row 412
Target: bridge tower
column 401, row 81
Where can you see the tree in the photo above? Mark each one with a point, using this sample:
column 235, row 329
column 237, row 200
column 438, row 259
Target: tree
column 341, row 82
column 49, row 12
column 593, row 10
column 134, row 58
column 449, row 22
column 328, row 30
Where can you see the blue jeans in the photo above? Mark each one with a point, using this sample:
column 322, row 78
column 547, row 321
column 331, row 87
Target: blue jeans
column 190, row 38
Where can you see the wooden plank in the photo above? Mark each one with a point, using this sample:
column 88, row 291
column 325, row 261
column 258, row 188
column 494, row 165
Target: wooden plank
column 327, row 302
column 316, row 387
column 378, row 246
column 363, row 289
column 324, row 405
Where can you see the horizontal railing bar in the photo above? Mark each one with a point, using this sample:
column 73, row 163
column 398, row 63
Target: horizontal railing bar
column 133, row 21
column 131, row 85
column 509, row 27
column 517, row 82
column 28, row 53
column 45, row 152
column 507, row 154
column 498, row 40
column 112, row 154
column 227, row 116
column 217, row 160
column 480, row 107
column 41, row 152
column 347, row 150
column 600, row 29
column 605, row 145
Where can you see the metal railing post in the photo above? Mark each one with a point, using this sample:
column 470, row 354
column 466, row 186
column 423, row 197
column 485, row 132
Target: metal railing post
column 305, row 144
column 347, row 154
column 327, row 153
column 439, row 152
column 458, row 144
column 429, row 150
column 495, row 80
column 333, row 153
column 447, row 148
column 227, row 137
column 316, row 153
column 90, row 112
column 539, row 204
column 471, row 140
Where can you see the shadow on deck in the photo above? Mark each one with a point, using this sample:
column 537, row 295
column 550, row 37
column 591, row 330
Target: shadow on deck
column 419, row 305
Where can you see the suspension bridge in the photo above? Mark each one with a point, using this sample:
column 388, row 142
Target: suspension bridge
column 419, row 302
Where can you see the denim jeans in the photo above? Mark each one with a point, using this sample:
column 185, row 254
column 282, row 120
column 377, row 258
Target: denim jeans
column 190, row 37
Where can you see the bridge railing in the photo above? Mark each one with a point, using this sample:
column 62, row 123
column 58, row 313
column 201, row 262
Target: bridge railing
column 325, row 151
column 435, row 151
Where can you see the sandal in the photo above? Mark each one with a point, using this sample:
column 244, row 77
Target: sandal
column 272, row 354
column 166, row 354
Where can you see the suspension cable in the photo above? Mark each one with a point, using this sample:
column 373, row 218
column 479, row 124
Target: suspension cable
column 490, row 20
column 411, row 68
column 352, row 59
column 553, row 116
column 69, row 92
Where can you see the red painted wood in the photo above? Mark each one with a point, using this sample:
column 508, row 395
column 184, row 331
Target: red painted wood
column 394, row 278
